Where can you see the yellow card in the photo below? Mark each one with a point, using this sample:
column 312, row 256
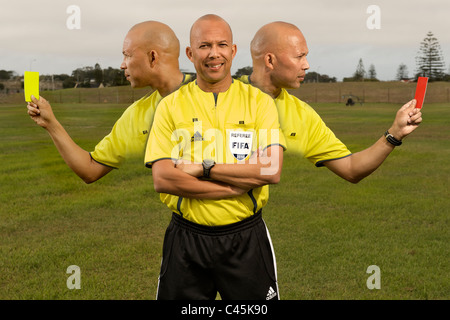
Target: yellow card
column 31, row 85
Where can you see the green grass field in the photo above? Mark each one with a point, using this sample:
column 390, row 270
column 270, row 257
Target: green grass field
column 326, row 232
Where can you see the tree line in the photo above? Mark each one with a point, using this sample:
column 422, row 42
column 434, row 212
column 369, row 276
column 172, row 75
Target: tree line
column 429, row 63
column 87, row 77
column 84, row 77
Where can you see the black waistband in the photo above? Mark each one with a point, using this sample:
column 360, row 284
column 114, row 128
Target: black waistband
column 217, row 230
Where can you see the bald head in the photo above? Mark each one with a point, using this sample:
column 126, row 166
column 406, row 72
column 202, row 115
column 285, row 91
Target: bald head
column 208, row 19
column 154, row 35
column 279, row 53
column 211, row 51
column 274, row 37
column 151, row 51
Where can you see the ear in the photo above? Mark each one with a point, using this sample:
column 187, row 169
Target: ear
column 233, row 51
column 189, row 53
column 152, row 58
column 269, row 60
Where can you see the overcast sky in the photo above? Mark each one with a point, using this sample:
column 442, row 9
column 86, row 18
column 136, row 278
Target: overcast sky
column 34, row 33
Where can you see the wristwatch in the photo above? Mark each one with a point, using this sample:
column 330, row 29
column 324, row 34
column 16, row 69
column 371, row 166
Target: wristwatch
column 390, row 138
column 207, row 166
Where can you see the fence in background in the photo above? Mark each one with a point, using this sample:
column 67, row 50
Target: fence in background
column 339, row 92
column 370, row 92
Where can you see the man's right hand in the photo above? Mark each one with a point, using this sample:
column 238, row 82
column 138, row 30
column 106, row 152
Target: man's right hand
column 41, row 112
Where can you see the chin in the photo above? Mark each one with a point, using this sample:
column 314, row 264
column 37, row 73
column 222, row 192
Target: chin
column 296, row 85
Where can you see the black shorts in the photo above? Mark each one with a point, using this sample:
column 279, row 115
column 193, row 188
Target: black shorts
column 236, row 261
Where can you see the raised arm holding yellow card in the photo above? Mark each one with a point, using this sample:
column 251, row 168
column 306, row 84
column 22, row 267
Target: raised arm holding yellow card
column 159, row 70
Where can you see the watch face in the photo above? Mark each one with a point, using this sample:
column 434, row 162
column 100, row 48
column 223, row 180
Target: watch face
column 208, row 162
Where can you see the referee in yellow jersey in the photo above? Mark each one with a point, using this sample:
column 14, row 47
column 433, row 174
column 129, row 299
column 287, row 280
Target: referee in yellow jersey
column 151, row 51
column 214, row 147
column 279, row 53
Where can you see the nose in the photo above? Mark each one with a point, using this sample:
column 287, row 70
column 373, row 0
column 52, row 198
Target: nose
column 214, row 52
column 123, row 65
column 306, row 65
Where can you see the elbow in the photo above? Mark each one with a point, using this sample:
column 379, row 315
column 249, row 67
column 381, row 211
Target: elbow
column 273, row 177
column 160, row 185
column 163, row 181
column 159, row 189
column 88, row 179
column 353, row 179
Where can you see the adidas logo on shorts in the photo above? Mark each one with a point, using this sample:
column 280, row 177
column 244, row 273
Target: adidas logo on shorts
column 271, row 294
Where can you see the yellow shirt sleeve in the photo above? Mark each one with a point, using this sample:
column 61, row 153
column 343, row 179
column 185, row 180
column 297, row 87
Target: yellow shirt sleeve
column 111, row 150
column 306, row 133
column 129, row 134
column 269, row 130
column 162, row 143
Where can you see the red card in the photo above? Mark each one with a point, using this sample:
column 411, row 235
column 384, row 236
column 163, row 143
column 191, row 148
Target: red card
column 420, row 91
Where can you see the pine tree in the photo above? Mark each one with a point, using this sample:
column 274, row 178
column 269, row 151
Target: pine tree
column 402, row 72
column 372, row 72
column 430, row 62
column 360, row 72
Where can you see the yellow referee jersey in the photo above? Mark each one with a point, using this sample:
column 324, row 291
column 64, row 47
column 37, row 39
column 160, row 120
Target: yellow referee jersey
column 130, row 133
column 305, row 131
column 193, row 125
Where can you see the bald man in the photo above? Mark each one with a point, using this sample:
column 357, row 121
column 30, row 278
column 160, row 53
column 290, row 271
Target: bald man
column 200, row 151
column 279, row 53
column 151, row 51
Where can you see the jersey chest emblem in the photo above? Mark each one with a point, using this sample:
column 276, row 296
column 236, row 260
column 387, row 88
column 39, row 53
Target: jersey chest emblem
column 240, row 144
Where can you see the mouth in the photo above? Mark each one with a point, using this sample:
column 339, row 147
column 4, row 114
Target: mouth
column 214, row 66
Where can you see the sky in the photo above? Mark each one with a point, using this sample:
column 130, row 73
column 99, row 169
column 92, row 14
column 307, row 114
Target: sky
column 47, row 36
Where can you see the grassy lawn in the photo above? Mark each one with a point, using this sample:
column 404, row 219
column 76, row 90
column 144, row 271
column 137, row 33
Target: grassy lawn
column 326, row 232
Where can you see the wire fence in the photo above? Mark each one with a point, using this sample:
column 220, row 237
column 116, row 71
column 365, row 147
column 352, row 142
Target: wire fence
column 119, row 95
column 338, row 92
column 370, row 92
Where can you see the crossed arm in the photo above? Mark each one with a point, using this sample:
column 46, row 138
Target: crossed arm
column 227, row 180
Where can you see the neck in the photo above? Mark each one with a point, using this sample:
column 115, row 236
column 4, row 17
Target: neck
column 262, row 81
column 215, row 87
column 169, row 85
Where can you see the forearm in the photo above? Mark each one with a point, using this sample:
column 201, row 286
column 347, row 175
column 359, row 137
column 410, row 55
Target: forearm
column 361, row 164
column 248, row 176
column 253, row 173
column 257, row 172
column 78, row 159
column 168, row 179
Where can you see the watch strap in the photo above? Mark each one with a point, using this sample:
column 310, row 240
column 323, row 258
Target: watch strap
column 391, row 139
